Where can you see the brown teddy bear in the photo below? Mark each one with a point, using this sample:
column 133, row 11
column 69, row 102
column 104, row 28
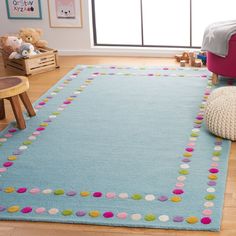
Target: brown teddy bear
column 31, row 35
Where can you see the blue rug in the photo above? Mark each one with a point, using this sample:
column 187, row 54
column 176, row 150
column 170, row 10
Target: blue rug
column 119, row 146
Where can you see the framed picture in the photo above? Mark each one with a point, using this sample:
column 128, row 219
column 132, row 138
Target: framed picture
column 65, row 13
column 24, row 9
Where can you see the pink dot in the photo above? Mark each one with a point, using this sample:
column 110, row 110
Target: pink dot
column 38, row 107
column 40, row 129
column 21, row 190
column 34, row 190
column 207, row 212
column 189, row 149
column 108, row 214
column 8, row 135
column 122, row 215
column 36, row 133
column 8, row 164
column 206, row 220
column 214, row 170
column 110, row 195
column 67, row 102
column 2, row 170
column 191, row 144
column 97, row 194
column 214, row 164
column 178, row 191
column 26, row 210
column 179, row 185
column 42, row 103
column 12, row 130
column 40, row 210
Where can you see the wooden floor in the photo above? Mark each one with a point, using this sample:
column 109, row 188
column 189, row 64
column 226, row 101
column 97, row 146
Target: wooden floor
column 41, row 83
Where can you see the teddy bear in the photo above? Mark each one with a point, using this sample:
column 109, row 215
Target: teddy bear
column 31, row 35
column 10, row 44
column 25, row 50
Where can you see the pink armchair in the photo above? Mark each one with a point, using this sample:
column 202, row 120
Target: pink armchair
column 225, row 66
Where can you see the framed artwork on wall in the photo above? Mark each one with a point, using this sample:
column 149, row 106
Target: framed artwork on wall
column 65, row 13
column 24, row 9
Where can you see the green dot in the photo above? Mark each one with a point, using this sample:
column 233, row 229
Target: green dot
column 27, row 142
column 59, row 192
column 216, row 153
column 56, row 90
column 194, row 134
column 56, row 113
column 150, row 217
column 67, row 212
column 184, row 172
column 210, row 197
column 202, row 106
column 0, row 144
column 136, row 196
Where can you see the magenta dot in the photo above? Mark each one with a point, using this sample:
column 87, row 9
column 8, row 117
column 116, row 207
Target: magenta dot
column 26, row 210
column 206, row 220
column 214, row 170
column 97, row 194
column 178, row 191
column 21, row 190
column 108, row 214
column 199, row 117
column 12, row 130
column 189, row 149
column 67, row 102
column 8, row 164
column 42, row 103
column 40, row 129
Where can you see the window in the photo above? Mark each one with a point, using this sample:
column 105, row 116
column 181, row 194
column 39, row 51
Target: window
column 156, row 23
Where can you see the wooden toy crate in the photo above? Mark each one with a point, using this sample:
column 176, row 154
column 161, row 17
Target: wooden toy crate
column 45, row 61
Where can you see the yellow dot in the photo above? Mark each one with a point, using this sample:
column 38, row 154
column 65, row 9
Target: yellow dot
column 192, row 220
column 88, row 81
column 13, row 209
column 44, row 124
column 187, row 154
column 94, row 213
column 218, row 139
column 176, row 199
column 9, row 190
column 212, row 177
column 12, row 158
column 84, row 194
column 45, row 100
column 70, row 99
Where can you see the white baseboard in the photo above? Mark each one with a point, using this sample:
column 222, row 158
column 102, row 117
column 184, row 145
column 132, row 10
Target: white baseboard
column 111, row 51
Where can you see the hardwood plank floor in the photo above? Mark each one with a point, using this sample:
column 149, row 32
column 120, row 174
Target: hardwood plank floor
column 39, row 84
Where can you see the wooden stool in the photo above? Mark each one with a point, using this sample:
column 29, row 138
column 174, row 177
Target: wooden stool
column 12, row 88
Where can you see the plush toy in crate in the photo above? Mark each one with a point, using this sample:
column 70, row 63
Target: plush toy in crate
column 25, row 50
column 10, row 44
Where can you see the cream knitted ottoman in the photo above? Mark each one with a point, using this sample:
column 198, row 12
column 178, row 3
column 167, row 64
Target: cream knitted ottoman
column 220, row 112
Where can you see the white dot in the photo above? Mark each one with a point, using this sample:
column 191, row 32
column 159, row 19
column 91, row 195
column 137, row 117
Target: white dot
column 184, row 166
column 77, row 92
column 52, row 116
column 60, row 88
column 195, row 130
column 163, row 218
column 123, row 195
column 23, row 147
column 211, row 190
column 136, row 217
column 53, row 211
column 215, row 159
column 53, row 93
column 60, row 109
column 2, row 140
column 218, row 148
column 209, row 204
column 47, row 191
column 149, row 197
column 181, row 178
column 31, row 137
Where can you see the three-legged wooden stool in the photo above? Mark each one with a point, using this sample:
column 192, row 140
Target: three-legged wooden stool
column 12, row 88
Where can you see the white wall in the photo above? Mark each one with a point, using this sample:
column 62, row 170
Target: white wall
column 73, row 41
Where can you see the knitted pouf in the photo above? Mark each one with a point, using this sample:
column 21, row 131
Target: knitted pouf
column 220, row 112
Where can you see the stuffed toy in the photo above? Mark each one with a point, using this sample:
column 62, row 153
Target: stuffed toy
column 25, row 50
column 10, row 44
column 31, row 35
